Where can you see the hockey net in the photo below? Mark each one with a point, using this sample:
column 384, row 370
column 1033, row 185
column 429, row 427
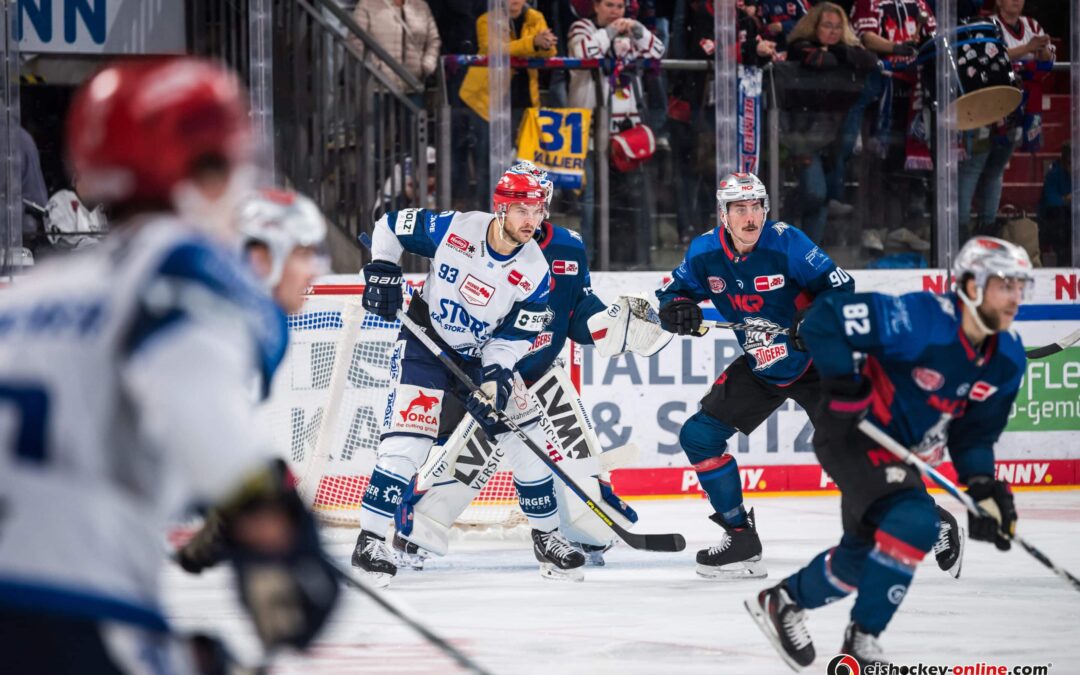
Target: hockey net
column 325, row 412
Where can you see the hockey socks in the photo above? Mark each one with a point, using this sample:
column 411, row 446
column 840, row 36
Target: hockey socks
column 889, row 569
column 704, row 440
column 831, row 575
column 537, row 501
column 381, row 500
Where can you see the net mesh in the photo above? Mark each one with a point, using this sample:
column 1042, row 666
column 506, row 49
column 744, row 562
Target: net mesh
column 325, row 417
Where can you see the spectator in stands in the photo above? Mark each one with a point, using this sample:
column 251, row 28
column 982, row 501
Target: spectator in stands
column 1055, row 210
column 456, row 20
column 893, row 29
column 988, row 149
column 33, row 190
column 529, row 36
column 399, row 190
column 608, row 33
column 780, row 17
column 821, row 42
column 406, row 29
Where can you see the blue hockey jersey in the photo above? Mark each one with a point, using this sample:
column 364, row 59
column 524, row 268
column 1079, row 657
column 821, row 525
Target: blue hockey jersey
column 571, row 301
column 783, row 274
column 932, row 388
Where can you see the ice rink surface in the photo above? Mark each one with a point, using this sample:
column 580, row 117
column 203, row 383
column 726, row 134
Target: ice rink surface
column 649, row 613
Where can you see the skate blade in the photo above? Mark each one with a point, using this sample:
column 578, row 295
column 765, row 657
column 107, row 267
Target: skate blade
column 410, row 562
column 376, row 579
column 595, row 559
column 747, row 569
column 763, row 623
column 555, row 573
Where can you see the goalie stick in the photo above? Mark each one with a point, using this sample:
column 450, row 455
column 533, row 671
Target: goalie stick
column 644, row 542
column 406, row 617
column 908, row 457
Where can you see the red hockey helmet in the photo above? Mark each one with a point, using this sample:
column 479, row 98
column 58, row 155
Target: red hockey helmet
column 518, row 188
column 137, row 129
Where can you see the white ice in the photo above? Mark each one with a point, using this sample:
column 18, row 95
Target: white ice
column 649, row 613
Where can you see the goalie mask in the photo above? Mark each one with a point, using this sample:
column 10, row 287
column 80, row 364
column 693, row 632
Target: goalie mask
column 982, row 258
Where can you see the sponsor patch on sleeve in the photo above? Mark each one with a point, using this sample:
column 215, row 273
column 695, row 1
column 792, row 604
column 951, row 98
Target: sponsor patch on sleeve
column 406, row 222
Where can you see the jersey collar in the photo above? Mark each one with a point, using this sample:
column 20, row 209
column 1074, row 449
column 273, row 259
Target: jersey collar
column 729, row 249
column 973, row 354
column 544, row 234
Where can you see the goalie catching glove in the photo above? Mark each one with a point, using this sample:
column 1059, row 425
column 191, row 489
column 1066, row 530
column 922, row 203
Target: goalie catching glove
column 628, row 324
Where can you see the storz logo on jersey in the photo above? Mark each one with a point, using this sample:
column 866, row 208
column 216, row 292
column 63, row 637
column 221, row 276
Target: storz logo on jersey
column 927, row 378
column 454, row 318
column 533, row 322
column 460, row 245
column 717, row 285
column 564, row 267
column 980, row 391
column 476, row 292
column 405, row 222
column 768, row 283
column 520, row 280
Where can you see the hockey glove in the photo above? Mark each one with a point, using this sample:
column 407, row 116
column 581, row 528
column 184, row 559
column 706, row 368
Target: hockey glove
column 794, row 338
column 494, row 394
column 996, row 498
column 382, row 288
column 681, row 316
column 286, row 582
column 844, row 403
column 905, row 49
column 206, row 548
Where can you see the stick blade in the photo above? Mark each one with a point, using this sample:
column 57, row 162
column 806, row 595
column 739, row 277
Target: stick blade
column 670, row 543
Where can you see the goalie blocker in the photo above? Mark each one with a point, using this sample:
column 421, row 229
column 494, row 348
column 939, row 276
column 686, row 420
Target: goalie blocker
column 458, row 469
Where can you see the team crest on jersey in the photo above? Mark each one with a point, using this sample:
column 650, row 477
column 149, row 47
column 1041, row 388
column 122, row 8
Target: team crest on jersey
column 461, row 245
column 928, row 379
column 768, row 283
column 780, row 227
column 980, row 391
column 542, row 341
column 761, row 345
column 520, row 280
column 717, row 285
column 476, row 292
column 564, row 266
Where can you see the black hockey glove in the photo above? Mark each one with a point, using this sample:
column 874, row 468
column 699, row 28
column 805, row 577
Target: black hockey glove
column 494, row 394
column 206, row 548
column 794, row 338
column 844, row 403
column 286, row 582
column 681, row 316
column 996, row 498
column 905, row 49
column 382, row 288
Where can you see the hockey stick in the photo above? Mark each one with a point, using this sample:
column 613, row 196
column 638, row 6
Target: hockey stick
column 1054, row 347
column 644, row 542
column 746, row 327
column 908, row 457
column 406, row 617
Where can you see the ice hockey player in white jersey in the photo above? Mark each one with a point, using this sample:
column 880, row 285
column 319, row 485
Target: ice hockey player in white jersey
column 124, row 374
column 282, row 237
column 484, row 301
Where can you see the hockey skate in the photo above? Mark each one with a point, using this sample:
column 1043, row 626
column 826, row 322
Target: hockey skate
column 863, row 646
column 558, row 559
column 594, row 555
column 409, row 554
column 784, row 623
column 372, row 557
column 737, row 556
column 949, row 548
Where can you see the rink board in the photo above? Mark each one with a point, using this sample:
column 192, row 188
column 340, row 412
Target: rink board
column 645, row 401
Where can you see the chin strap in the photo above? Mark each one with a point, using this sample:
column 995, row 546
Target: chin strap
column 501, row 232
column 972, row 306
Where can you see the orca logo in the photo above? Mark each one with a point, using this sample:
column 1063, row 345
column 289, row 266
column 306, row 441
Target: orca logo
column 843, row 664
column 425, row 403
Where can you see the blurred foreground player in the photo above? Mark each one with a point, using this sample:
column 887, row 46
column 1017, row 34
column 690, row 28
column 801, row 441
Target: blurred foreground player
column 124, row 374
column 939, row 370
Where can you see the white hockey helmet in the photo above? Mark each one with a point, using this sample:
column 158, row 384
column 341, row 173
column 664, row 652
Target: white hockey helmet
column 737, row 187
column 984, row 257
column 281, row 220
column 525, row 166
